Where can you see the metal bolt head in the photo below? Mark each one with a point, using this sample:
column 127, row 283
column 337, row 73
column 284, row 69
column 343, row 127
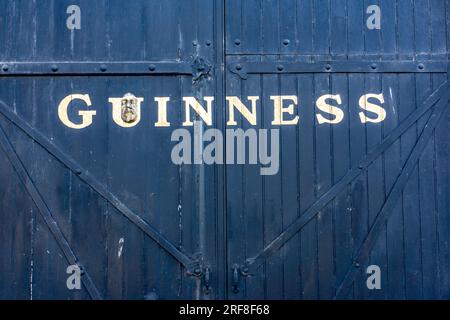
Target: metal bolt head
column 208, row 43
column 328, row 67
column 237, row 42
column 194, row 43
column 280, row 67
column 54, row 68
column 421, row 66
column 286, row 42
column 152, row 67
column 374, row 66
column 103, row 68
column 5, row 67
column 238, row 67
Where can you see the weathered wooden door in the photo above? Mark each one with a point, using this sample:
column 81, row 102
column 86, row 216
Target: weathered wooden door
column 348, row 195
column 104, row 197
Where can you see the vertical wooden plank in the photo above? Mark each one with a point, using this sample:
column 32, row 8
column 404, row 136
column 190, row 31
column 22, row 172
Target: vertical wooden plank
column 372, row 36
column 339, row 38
column 375, row 172
column 405, row 28
column 305, row 88
column 356, row 24
column 376, row 189
column 237, row 242
column 288, row 26
column 321, row 27
column 126, row 41
column 358, row 192
column 250, row 19
column 188, row 174
column 158, row 16
column 272, row 191
column 359, row 203
column 323, row 166
column 305, row 24
column 270, row 26
column 289, row 171
column 324, row 177
column 394, row 244
column 429, row 245
column 411, row 215
column 438, row 27
column 207, row 25
column 253, row 192
column 341, row 144
column 23, row 38
column 6, row 19
column 221, row 263
column 389, row 28
column 233, row 14
column 308, row 236
column 393, row 165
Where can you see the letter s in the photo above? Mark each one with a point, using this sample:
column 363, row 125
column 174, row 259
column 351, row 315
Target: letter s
column 85, row 114
column 366, row 105
column 322, row 105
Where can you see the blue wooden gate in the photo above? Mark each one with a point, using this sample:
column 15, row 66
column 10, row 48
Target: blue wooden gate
column 108, row 199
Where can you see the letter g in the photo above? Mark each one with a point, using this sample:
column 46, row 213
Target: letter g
column 86, row 115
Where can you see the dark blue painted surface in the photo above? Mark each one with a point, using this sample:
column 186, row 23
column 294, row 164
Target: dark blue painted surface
column 144, row 228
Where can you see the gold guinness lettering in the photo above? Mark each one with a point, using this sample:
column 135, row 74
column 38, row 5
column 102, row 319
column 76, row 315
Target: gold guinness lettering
column 284, row 110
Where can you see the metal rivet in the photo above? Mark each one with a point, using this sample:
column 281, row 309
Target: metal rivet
column 238, row 67
column 374, row 66
column 237, row 42
column 103, row 68
column 286, row 42
column 54, row 68
column 280, row 67
column 208, row 43
column 328, row 67
column 194, row 43
column 5, row 67
column 357, row 265
column 152, row 67
column 421, row 66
